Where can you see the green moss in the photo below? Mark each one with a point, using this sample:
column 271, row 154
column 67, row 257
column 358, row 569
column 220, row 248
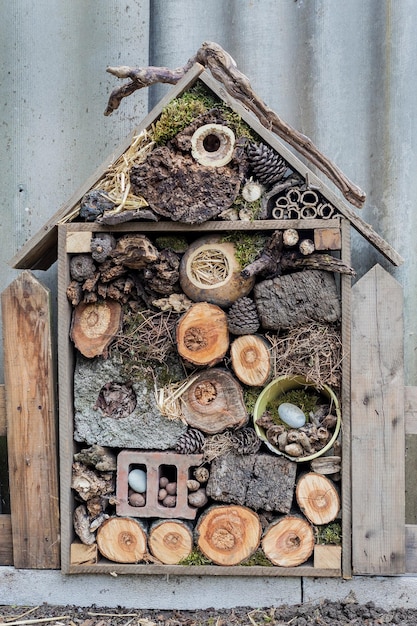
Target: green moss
column 305, row 399
column 177, row 243
column 253, row 208
column 247, row 246
column 258, row 558
column 330, row 534
column 250, row 396
column 195, row 558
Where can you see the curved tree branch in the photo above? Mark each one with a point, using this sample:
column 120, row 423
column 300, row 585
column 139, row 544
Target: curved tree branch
column 224, row 69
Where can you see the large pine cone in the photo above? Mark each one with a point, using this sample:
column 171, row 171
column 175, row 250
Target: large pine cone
column 242, row 318
column 268, row 167
column 246, row 441
column 190, row 442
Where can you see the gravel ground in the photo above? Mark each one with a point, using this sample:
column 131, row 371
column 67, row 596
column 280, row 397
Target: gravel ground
column 345, row 612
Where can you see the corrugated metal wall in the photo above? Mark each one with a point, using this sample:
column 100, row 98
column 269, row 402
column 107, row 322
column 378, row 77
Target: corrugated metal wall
column 342, row 72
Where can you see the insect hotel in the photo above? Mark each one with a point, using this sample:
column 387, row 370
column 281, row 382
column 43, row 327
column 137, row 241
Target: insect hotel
column 218, row 379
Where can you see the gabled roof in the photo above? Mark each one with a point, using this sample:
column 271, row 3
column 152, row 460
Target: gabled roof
column 40, row 251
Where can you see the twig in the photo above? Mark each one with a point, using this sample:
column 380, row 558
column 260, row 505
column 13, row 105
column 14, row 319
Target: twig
column 34, row 608
column 37, row 621
column 223, row 69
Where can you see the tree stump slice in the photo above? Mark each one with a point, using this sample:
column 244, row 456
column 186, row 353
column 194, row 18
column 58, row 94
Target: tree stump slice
column 289, row 541
column 170, row 541
column 228, row 535
column 202, row 334
column 94, row 326
column 214, row 402
column 317, row 498
column 251, row 360
column 297, row 299
column 122, row 539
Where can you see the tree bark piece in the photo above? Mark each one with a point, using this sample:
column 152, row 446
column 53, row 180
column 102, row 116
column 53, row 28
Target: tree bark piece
column 94, row 326
column 170, row 541
column 134, row 251
column 289, row 541
column 214, row 402
column 202, row 334
column 297, row 299
column 228, row 535
column 259, row 481
column 177, row 187
column 223, row 69
column 317, row 498
column 251, row 360
column 122, row 539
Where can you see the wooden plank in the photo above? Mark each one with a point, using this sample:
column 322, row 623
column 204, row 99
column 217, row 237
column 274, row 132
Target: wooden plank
column 378, row 496
column 410, row 409
column 357, row 222
column 40, row 252
column 79, row 242
column 411, row 548
column 3, row 417
column 82, row 554
column 31, row 437
column 327, row 557
column 6, row 540
column 346, row 294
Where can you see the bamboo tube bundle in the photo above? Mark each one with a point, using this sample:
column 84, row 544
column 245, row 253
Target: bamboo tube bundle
column 325, row 210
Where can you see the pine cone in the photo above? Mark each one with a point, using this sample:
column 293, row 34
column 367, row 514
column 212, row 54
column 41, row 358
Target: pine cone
column 268, row 166
column 246, row 441
column 242, row 318
column 191, row 442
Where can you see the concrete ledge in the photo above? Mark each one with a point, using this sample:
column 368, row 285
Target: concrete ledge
column 34, row 587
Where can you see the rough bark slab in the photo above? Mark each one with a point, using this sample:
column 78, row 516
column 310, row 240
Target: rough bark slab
column 296, row 299
column 258, row 481
column 175, row 186
column 228, row 534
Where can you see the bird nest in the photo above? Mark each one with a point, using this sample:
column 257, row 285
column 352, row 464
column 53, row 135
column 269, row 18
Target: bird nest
column 313, row 351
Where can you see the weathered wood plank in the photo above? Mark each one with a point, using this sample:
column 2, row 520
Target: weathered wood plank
column 346, row 293
column 3, row 418
column 411, row 548
column 378, row 449
column 31, row 436
column 6, row 540
column 410, row 410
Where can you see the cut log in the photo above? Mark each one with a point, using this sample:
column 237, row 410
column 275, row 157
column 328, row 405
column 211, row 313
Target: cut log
column 251, row 360
column 289, row 541
column 122, row 539
column 202, row 334
column 317, row 498
column 228, row 535
column 214, row 402
column 211, row 272
column 259, row 481
column 94, row 326
column 170, row 541
column 297, row 299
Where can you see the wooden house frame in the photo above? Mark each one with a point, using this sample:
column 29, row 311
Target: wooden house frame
column 372, row 391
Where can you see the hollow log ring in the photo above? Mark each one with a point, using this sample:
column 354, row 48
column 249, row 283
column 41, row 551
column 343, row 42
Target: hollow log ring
column 212, row 145
column 209, row 271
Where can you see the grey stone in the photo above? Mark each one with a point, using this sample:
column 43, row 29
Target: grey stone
column 144, row 428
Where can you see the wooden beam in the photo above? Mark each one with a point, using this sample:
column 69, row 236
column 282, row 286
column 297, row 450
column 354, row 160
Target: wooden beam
column 3, row 425
column 378, row 441
column 6, row 540
column 31, row 436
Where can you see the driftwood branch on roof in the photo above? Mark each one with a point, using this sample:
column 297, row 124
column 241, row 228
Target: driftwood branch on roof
column 223, row 68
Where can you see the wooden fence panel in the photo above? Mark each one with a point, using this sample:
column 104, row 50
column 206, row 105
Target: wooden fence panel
column 31, row 423
column 378, row 450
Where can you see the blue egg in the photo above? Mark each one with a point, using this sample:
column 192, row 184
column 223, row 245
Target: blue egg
column 137, row 480
column 291, row 414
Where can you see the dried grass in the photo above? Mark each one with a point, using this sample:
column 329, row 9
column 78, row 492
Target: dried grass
column 217, row 445
column 313, row 351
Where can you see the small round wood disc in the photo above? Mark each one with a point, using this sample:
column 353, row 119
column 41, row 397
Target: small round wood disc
column 170, row 541
column 122, row 539
column 94, row 325
column 288, row 542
